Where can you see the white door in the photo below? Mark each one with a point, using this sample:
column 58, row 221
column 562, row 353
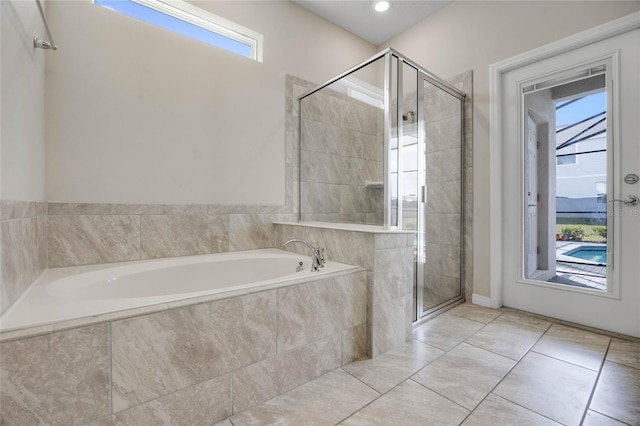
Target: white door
column 618, row 308
column 531, row 199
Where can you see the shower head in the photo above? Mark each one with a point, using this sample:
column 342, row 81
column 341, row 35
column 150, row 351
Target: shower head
column 42, row 44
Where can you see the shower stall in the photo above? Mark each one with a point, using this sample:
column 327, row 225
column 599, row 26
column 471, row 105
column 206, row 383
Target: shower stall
column 383, row 145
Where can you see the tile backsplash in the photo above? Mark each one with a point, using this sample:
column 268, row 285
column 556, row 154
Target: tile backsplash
column 80, row 239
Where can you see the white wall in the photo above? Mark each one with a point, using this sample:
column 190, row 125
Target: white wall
column 474, row 34
column 22, row 104
column 137, row 114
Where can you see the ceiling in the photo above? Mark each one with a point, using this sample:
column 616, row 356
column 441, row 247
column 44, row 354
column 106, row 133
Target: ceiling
column 358, row 16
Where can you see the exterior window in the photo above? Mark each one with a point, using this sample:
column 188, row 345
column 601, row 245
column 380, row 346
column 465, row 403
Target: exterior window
column 184, row 18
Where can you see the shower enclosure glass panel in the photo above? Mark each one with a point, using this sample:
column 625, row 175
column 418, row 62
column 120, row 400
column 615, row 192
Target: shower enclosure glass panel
column 442, row 211
column 381, row 145
column 341, row 149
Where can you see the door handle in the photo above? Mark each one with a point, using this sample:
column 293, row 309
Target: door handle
column 629, row 200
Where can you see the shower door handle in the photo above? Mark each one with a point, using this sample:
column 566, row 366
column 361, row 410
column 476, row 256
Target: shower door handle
column 423, row 193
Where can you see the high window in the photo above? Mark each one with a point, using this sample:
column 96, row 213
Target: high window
column 186, row 19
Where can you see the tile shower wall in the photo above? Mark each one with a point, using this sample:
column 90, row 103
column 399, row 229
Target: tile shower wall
column 192, row 365
column 341, row 150
column 388, row 259
column 23, row 248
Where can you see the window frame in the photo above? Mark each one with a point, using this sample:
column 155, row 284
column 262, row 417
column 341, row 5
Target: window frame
column 194, row 15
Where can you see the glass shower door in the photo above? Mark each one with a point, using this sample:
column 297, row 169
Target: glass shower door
column 439, row 272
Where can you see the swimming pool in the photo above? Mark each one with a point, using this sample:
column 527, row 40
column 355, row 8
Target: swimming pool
column 591, row 254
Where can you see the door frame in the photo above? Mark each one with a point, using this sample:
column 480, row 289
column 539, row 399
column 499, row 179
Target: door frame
column 497, row 73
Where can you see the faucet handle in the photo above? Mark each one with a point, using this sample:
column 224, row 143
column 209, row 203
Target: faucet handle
column 321, row 259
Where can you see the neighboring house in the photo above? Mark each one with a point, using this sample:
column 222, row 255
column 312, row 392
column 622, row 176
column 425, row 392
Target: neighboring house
column 581, row 172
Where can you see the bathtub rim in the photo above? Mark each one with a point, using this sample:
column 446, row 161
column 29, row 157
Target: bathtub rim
column 68, row 324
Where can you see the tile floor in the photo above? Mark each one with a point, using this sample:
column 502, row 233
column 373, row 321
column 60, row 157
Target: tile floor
column 474, row 366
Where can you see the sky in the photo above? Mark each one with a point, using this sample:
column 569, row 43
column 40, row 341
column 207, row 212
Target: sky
column 584, row 108
column 151, row 16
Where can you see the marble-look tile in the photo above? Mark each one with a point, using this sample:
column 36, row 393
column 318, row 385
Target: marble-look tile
column 354, row 343
column 185, row 209
column 136, row 209
column 59, row 378
column 439, row 105
column 439, row 288
column 498, row 411
column 525, row 319
column 443, row 166
column 388, row 325
column 225, row 422
column 274, row 376
column 390, row 241
column 81, row 240
column 443, row 228
column 181, row 235
column 573, row 345
column 318, row 197
column 23, row 256
column 593, row 418
column 410, row 404
column 552, row 388
column 624, row 352
column 443, row 134
column 465, row 374
column 443, row 259
column 475, row 312
column 198, row 405
column 444, row 197
column 311, row 311
column 370, row 144
column 72, row 209
column 617, row 394
column 319, row 167
column 359, row 116
column 350, row 298
column 353, row 199
column 157, row 354
column 324, row 401
column 445, row 332
column 251, row 231
column 393, row 272
column 353, row 248
column 305, row 314
column 322, row 107
column 506, row 338
column 388, row 370
column 16, row 209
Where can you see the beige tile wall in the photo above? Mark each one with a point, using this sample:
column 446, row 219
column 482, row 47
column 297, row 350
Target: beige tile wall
column 186, row 364
column 23, row 250
column 388, row 259
column 81, row 234
column 341, row 147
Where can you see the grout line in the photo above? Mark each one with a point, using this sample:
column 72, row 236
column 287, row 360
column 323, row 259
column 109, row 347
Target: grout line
column 110, row 358
column 595, row 383
column 607, row 416
column 445, row 397
column 506, row 374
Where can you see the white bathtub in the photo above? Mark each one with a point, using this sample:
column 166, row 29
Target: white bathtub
column 92, row 292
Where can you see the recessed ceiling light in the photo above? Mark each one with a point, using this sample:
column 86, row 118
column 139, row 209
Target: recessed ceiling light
column 381, row 5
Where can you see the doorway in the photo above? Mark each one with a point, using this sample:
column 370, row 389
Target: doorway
column 535, row 275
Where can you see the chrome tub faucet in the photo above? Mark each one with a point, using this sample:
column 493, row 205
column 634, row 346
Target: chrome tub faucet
column 317, row 257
